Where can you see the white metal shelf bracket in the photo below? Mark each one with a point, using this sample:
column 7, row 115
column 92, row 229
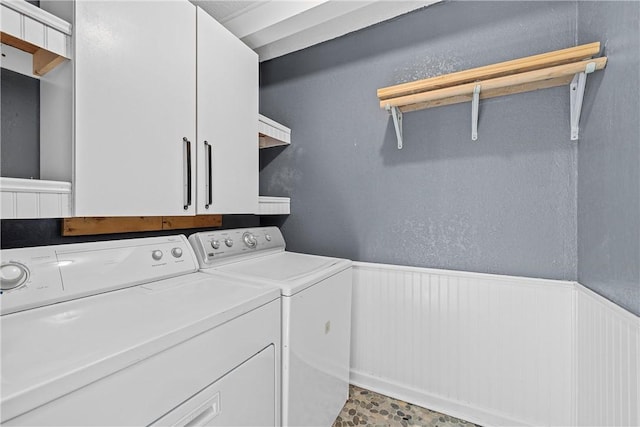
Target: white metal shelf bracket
column 397, row 122
column 576, row 96
column 474, row 112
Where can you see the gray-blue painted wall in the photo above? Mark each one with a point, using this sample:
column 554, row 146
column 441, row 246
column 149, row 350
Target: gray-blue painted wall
column 609, row 156
column 503, row 204
column 20, row 125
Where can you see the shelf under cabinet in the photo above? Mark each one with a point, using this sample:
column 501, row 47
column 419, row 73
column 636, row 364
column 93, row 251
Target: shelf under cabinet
column 28, row 28
column 272, row 133
column 268, row 205
column 34, row 198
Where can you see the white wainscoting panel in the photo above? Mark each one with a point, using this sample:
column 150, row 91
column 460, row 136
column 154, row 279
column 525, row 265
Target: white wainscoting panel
column 608, row 362
column 33, row 198
column 272, row 133
column 496, row 350
column 273, row 205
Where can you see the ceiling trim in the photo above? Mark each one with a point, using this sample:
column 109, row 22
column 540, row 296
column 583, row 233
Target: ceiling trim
column 275, row 28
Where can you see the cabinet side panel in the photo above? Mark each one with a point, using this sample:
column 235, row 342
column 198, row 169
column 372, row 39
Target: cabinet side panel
column 56, row 129
column 56, row 108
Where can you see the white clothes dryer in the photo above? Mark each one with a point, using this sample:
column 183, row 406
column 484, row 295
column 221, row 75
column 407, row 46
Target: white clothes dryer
column 316, row 314
column 128, row 332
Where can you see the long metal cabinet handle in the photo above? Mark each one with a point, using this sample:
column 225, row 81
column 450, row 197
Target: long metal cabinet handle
column 209, row 175
column 187, row 173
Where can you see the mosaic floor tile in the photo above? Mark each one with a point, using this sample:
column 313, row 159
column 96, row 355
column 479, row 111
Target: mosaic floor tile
column 368, row 408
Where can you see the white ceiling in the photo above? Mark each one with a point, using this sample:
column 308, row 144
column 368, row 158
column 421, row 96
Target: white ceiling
column 274, row 28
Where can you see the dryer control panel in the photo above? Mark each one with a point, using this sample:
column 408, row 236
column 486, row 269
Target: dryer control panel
column 214, row 248
column 34, row 277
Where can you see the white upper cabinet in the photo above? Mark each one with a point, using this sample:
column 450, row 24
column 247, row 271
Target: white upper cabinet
column 227, row 125
column 154, row 133
column 135, row 108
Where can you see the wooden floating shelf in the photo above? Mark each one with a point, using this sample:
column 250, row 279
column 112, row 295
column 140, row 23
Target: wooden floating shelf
column 516, row 83
column 527, row 74
column 501, row 69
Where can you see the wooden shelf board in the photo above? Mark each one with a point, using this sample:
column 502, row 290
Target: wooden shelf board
column 516, row 66
column 517, row 83
column 265, row 141
column 84, row 226
column 43, row 60
column 526, row 87
column 198, row 221
column 18, row 43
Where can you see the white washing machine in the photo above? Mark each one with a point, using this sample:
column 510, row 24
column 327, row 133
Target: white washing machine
column 316, row 314
column 129, row 333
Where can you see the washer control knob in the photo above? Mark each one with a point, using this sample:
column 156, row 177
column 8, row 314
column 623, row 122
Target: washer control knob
column 12, row 275
column 228, row 242
column 249, row 240
column 215, row 244
column 176, row 252
column 157, row 255
column 268, row 237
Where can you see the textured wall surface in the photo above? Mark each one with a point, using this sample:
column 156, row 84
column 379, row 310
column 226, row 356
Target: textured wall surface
column 609, row 156
column 503, row 204
column 20, row 148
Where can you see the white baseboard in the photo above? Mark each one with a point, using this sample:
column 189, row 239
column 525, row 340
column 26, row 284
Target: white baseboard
column 435, row 403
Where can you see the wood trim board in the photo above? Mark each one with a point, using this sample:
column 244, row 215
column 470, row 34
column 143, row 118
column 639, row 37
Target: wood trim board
column 85, row 226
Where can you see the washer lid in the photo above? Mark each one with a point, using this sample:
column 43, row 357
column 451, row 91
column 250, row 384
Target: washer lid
column 53, row 350
column 291, row 271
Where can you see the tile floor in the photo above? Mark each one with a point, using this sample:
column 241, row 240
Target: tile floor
column 368, row 408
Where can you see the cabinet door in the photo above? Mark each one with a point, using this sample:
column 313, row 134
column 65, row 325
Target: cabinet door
column 227, row 121
column 135, row 107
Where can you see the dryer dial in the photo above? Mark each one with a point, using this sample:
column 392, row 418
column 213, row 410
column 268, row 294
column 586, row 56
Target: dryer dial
column 250, row 240
column 12, row 275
